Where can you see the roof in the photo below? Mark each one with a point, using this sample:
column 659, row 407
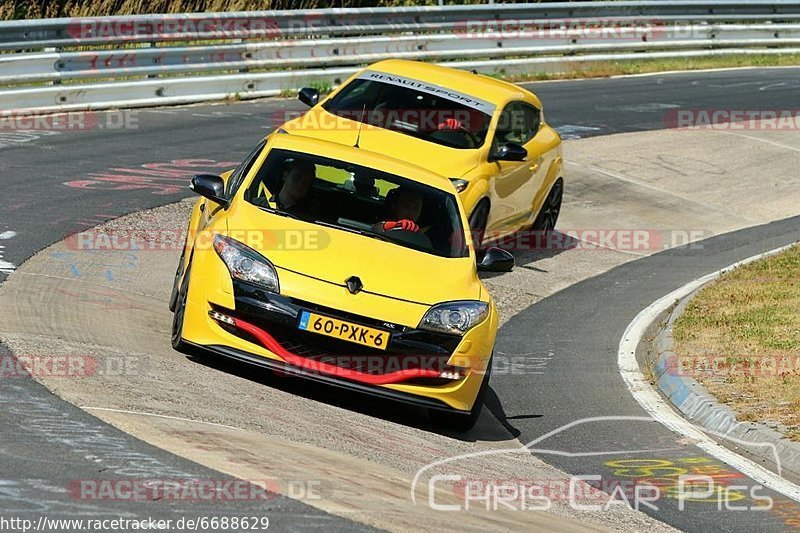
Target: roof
column 360, row 156
column 478, row 85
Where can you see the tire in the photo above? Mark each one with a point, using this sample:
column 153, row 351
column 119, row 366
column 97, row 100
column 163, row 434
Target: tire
column 463, row 422
column 477, row 223
column 173, row 297
column 180, row 312
column 548, row 214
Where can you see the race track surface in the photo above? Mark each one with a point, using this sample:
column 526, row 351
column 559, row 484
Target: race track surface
column 60, row 182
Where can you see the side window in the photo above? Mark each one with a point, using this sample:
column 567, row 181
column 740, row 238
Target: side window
column 533, row 121
column 236, row 179
column 510, row 126
column 518, row 123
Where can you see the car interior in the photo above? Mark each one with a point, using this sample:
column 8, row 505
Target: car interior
column 357, row 198
column 424, row 115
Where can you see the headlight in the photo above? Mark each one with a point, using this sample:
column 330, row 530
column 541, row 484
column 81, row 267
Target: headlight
column 246, row 264
column 455, row 317
column 459, row 184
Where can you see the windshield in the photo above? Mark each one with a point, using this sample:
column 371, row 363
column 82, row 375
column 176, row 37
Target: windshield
column 358, row 199
column 421, row 110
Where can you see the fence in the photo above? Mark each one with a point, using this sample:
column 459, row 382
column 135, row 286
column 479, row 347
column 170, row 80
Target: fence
column 92, row 63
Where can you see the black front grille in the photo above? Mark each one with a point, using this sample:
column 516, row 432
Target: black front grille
column 324, row 349
column 278, row 315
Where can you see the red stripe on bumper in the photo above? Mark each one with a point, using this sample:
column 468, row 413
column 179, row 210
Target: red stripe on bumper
column 293, row 359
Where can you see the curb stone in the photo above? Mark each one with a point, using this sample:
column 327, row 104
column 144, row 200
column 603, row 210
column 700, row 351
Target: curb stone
column 698, row 405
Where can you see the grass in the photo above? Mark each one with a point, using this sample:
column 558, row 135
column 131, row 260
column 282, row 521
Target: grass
column 34, row 9
column 644, row 66
column 750, row 317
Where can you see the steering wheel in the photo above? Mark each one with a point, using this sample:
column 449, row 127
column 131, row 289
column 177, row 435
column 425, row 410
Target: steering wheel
column 471, row 138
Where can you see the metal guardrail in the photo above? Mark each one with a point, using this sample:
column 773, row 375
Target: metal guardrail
column 167, row 59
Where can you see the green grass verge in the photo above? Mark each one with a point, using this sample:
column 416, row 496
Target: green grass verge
column 750, row 320
column 644, row 66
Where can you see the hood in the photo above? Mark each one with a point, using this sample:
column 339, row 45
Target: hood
column 332, row 255
column 448, row 162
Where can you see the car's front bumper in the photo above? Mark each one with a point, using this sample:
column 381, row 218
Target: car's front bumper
column 291, row 370
column 277, row 315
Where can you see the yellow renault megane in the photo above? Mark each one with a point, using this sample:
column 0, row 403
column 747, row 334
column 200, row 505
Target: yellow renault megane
column 343, row 266
column 490, row 137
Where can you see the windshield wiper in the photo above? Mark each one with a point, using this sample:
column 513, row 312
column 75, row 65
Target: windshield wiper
column 275, row 211
column 354, row 230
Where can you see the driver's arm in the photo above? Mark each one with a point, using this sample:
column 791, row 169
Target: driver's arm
column 389, row 225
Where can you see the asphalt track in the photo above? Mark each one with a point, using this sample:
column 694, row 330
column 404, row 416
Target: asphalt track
column 579, row 326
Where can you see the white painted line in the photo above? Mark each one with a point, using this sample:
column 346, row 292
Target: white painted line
column 5, row 266
column 699, row 71
column 757, row 139
column 626, row 179
column 659, row 409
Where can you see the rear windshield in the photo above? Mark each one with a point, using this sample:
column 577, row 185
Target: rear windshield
column 361, row 200
column 421, row 110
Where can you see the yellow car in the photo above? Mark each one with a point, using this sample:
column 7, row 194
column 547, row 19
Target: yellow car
column 344, row 266
column 488, row 136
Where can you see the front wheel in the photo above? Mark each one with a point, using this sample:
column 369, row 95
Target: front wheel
column 173, row 297
column 463, row 422
column 180, row 312
column 477, row 224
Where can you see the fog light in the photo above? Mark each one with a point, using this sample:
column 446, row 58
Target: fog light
column 222, row 318
column 452, row 373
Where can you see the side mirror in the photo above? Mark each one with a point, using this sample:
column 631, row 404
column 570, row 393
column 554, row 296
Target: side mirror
column 210, row 186
column 308, row 96
column 496, row 260
column 509, row 152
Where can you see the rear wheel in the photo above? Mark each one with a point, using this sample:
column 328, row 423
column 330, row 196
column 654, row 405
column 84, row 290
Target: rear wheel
column 477, row 223
column 548, row 215
column 463, row 422
column 180, row 312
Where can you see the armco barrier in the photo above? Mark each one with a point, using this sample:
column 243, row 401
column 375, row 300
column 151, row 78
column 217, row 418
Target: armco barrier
column 83, row 63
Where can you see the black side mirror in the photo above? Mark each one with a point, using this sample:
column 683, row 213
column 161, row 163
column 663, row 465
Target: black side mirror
column 496, row 260
column 509, row 152
column 308, row 96
column 210, row 186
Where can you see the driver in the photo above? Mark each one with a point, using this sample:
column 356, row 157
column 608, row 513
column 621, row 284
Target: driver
column 404, row 208
column 298, row 175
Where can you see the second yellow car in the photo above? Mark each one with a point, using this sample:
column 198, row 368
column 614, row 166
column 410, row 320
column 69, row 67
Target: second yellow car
column 488, row 136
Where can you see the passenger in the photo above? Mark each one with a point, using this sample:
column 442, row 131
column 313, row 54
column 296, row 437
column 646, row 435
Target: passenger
column 294, row 198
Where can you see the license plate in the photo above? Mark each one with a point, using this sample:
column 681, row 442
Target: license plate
column 347, row 331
